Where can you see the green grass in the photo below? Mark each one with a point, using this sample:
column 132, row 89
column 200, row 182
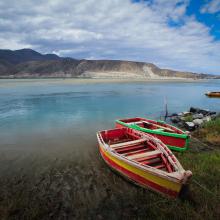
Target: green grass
column 205, row 187
column 213, row 125
column 40, row 187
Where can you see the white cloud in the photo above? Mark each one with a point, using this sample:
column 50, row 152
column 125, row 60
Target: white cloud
column 211, row 7
column 174, row 9
column 12, row 43
column 112, row 29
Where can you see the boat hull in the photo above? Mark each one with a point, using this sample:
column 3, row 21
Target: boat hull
column 139, row 176
column 213, row 94
column 177, row 142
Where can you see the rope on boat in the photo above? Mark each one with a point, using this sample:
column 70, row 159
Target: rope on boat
column 201, row 186
column 204, row 188
column 206, row 145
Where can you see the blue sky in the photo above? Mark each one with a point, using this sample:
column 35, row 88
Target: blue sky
column 175, row 34
column 208, row 13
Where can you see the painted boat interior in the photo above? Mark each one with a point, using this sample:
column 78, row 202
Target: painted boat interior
column 152, row 125
column 139, row 150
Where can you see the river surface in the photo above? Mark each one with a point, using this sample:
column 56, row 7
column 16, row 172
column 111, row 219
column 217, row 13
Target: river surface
column 59, row 114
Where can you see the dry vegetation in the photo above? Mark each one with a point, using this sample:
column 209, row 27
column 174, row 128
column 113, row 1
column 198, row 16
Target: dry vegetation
column 210, row 132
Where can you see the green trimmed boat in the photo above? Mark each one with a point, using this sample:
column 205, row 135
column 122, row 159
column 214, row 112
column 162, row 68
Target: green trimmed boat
column 173, row 137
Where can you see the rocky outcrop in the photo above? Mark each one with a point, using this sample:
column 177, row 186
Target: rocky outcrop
column 27, row 63
column 192, row 119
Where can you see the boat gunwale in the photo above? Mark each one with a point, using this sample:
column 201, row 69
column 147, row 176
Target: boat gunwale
column 164, row 133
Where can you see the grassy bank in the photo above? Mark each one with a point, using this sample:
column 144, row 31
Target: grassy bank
column 39, row 186
column 210, row 132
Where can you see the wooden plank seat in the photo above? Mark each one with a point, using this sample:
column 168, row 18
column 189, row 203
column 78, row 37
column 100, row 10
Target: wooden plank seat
column 151, row 160
column 142, row 150
column 143, row 159
column 159, row 126
column 129, row 149
column 119, row 141
column 126, row 144
column 147, row 154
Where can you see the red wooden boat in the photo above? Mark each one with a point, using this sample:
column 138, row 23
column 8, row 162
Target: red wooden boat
column 143, row 159
column 173, row 137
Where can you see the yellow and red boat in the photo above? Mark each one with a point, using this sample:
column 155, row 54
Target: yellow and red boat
column 143, row 159
column 213, row 94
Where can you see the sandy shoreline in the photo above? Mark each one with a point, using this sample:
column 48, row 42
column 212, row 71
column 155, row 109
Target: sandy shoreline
column 98, row 80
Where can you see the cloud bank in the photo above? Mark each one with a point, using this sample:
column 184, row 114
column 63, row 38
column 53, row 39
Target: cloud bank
column 157, row 31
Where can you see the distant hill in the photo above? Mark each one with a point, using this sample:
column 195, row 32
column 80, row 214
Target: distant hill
column 25, row 55
column 27, row 63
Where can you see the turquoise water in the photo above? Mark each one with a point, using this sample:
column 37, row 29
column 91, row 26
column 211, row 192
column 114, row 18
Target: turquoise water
column 42, row 108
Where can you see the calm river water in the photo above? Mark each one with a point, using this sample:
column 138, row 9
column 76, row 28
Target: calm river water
column 54, row 114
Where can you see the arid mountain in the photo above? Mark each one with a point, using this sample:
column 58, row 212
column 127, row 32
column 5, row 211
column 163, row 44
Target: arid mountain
column 25, row 55
column 27, row 63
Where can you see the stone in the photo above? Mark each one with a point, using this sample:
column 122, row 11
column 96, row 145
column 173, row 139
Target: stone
column 198, row 116
column 207, row 118
column 180, row 114
column 184, row 119
column 193, row 110
column 204, row 111
column 199, row 111
column 181, row 124
column 212, row 113
column 187, row 113
column 213, row 117
column 175, row 119
column 174, row 114
column 190, row 126
column 198, row 121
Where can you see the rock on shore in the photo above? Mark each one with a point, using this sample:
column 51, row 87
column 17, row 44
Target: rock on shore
column 193, row 118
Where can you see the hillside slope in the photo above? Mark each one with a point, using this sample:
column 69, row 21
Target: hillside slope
column 27, row 63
